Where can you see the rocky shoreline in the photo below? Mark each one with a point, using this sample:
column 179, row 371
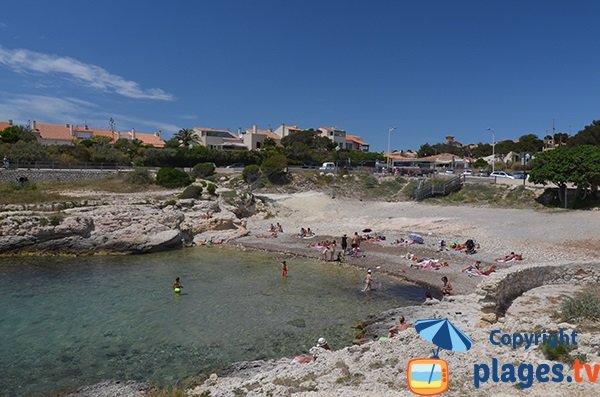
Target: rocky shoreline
column 564, row 255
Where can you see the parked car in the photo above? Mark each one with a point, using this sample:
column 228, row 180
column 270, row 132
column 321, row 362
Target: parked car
column 468, row 173
column 520, row 175
column 449, row 171
column 328, row 166
column 501, row 174
column 236, row 165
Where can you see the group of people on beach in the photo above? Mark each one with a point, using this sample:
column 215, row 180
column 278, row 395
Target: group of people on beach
column 306, row 233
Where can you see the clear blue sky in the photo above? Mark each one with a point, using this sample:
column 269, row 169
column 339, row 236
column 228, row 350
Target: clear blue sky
column 429, row 68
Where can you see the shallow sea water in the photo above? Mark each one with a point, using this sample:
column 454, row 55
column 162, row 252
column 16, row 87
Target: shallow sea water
column 67, row 322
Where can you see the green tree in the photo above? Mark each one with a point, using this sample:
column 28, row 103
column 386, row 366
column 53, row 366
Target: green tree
column 274, row 167
column 480, row 163
column 529, row 143
column 590, row 135
column 17, row 133
column 579, row 165
column 186, row 137
column 269, row 143
column 426, row 150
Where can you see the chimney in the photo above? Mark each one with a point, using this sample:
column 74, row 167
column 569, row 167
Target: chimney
column 10, row 122
column 67, row 125
column 133, row 133
column 254, row 129
column 70, row 127
column 158, row 134
column 33, row 125
column 239, row 131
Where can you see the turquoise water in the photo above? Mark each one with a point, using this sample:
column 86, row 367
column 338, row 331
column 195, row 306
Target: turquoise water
column 66, row 322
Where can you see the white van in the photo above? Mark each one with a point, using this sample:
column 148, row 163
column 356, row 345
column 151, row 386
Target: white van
column 327, row 167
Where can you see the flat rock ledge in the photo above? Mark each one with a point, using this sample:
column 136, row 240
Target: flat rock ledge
column 130, row 227
column 112, row 388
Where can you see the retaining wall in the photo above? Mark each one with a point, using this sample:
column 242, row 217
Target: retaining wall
column 499, row 293
column 34, row 175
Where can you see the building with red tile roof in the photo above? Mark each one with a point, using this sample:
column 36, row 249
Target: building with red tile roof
column 354, row 142
column 65, row 134
column 4, row 125
column 254, row 138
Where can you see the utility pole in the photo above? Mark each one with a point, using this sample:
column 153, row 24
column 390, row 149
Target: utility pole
column 493, row 148
column 389, row 159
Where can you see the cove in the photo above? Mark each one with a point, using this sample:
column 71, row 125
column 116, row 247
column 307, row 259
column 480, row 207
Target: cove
column 71, row 321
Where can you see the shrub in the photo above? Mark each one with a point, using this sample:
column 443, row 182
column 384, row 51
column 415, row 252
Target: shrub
column 139, row 176
column 203, row 170
column 192, row 191
column 170, row 202
column 172, row 177
column 251, row 173
column 585, row 305
column 56, row 219
column 211, row 188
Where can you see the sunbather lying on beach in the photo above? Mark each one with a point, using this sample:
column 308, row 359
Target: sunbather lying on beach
column 512, row 257
column 479, row 269
column 432, row 264
column 267, row 235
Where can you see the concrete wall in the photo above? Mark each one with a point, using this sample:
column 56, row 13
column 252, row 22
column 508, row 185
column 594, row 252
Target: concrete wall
column 10, row 175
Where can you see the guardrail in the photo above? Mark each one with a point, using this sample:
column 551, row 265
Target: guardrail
column 431, row 187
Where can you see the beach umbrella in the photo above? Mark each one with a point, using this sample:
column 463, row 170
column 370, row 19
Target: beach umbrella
column 417, row 238
column 443, row 334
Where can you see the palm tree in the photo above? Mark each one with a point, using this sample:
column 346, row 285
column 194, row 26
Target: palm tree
column 186, row 137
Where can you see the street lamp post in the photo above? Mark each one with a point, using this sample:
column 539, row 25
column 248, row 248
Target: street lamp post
column 493, row 148
column 388, row 149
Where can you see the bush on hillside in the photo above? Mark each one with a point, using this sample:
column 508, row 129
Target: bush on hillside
column 192, row 191
column 211, row 188
column 139, row 176
column 203, row 170
column 172, row 178
column 251, row 173
column 274, row 167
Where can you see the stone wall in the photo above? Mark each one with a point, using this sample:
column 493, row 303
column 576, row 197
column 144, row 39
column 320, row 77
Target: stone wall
column 34, row 175
column 500, row 290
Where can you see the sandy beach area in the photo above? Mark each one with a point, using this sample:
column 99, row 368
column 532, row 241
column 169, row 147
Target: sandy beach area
column 547, row 236
column 560, row 254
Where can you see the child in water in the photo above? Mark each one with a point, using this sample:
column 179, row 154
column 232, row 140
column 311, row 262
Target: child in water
column 177, row 284
column 283, row 269
column 368, row 281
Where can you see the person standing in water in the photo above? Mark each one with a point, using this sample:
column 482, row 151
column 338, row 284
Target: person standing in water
column 177, row 285
column 368, row 281
column 283, row 269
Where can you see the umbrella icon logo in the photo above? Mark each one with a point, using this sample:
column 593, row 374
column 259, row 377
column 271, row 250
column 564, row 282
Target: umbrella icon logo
column 429, row 376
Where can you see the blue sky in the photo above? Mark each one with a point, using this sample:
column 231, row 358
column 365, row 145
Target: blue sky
column 429, row 68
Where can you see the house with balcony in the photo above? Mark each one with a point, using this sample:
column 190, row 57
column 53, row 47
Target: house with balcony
column 254, row 138
column 336, row 135
column 354, row 142
column 219, row 139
